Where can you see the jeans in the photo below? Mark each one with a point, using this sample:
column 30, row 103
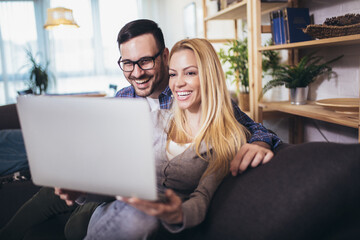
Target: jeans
column 12, row 152
column 118, row 220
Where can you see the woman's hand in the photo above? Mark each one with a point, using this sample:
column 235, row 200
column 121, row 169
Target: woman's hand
column 169, row 211
column 250, row 154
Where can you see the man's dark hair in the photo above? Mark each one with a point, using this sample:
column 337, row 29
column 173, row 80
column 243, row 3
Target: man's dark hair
column 140, row 27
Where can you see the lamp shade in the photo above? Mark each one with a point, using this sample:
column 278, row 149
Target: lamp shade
column 59, row 16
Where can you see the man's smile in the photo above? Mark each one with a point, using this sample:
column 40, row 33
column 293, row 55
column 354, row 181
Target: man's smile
column 138, row 81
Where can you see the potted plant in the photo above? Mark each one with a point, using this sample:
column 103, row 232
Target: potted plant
column 298, row 77
column 238, row 73
column 270, row 60
column 39, row 75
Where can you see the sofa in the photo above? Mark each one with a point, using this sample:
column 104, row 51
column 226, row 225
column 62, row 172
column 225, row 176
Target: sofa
column 307, row 191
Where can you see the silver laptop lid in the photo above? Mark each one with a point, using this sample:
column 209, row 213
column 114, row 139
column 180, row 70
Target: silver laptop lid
column 96, row 145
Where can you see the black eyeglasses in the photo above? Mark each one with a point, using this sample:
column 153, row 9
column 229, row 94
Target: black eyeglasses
column 145, row 63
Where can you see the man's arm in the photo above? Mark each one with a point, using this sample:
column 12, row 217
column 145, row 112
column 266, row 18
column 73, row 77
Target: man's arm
column 259, row 148
column 258, row 132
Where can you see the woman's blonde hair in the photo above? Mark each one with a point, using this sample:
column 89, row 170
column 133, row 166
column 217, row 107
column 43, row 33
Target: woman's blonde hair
column 219, row 130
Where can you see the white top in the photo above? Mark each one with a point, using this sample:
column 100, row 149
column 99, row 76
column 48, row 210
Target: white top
column 153, row 103
column 176, row 149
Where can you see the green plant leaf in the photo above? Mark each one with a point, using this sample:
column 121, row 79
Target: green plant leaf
column 39, row 75
column 300, row 75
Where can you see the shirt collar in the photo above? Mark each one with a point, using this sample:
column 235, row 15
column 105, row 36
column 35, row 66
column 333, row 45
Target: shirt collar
column 166, row 92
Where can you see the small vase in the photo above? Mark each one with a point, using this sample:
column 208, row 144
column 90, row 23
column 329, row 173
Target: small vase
column 244, row 101
column 298, row 96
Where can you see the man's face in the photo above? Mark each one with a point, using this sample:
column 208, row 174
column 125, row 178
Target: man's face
column 147, row 83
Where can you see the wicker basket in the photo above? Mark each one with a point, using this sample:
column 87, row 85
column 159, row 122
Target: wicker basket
column 325, row 31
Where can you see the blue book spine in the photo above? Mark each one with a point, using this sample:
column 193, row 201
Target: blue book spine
column 286, row 26
column 282, row 28
column 276, row 23
column 295, row 19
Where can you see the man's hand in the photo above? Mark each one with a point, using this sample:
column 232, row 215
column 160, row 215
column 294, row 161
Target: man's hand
column 170, row 211
column 250, row 154
column 68, row 196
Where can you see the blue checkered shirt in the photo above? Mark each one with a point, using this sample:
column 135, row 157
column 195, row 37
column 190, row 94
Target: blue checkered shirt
column 257, row 130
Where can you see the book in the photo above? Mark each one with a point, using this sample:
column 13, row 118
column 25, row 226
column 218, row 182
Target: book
column 282, row 39
column 295, row 19
column 277, row 27
column 275, row 23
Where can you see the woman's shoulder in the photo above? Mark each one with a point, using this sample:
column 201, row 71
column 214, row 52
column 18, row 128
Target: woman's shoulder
column 161, row 118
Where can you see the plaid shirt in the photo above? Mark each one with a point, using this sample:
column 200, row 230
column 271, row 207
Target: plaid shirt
column 257, row 130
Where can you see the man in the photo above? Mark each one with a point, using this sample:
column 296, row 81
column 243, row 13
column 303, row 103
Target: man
column 144, row 62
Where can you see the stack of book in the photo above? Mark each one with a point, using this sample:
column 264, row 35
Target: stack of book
column 287, row 25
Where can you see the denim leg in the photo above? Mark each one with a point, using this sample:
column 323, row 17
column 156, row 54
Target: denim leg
column 118, row 220
column 12, row 152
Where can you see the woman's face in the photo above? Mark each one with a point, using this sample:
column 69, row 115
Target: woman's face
column 184, row 80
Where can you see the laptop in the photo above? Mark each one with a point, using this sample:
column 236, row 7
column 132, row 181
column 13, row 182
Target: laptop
column 95, row 145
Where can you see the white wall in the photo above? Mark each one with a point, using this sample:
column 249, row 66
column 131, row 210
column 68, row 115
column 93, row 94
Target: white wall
column 172, row 23
column 346, row 84
column 171, row 19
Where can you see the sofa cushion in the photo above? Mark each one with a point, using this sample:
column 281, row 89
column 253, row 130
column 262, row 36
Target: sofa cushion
column 8, row 117
column 12, row 152
column 308, row 191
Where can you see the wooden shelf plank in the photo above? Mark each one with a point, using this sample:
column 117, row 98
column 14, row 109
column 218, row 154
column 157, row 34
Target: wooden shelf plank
column 265, row 29
column 336, row 41
column 222, row 40
column 267, row 7
column 314, row 111
column 238, row 11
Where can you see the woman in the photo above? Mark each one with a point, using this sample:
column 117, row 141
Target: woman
column 194, row 143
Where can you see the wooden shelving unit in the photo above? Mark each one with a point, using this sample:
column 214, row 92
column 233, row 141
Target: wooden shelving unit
column 252, row 10
column 310, row 110
column 235, row 12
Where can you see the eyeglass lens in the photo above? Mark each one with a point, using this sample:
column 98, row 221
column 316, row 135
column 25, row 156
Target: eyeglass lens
column 144, row 64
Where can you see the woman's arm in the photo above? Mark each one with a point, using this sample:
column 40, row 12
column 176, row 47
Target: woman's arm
column 176, row 215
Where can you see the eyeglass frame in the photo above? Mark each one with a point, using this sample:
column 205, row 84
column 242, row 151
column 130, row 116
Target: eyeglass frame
column 137, row 62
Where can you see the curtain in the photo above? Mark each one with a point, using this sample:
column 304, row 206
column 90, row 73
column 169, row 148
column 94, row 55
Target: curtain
column 17, row 34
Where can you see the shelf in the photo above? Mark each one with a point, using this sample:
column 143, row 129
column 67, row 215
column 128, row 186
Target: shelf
column 238, row 10
column 314, row 111
column 223, row 40
column 336, row 41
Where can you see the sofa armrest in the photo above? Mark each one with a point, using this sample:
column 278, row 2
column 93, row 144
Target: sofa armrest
column 9, row 118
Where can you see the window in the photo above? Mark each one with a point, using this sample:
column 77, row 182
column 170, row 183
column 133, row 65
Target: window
column 15, row 37
column 82, row 59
